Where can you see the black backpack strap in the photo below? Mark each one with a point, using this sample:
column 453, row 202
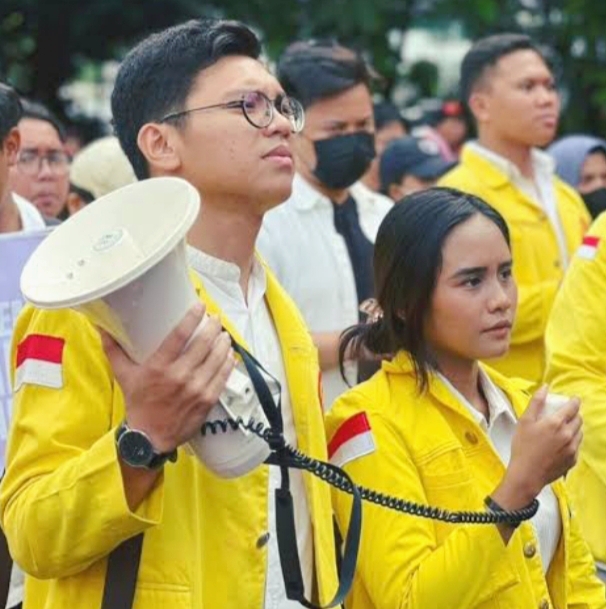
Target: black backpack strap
column 120, row 581
column 6, row 567
column 122, row 572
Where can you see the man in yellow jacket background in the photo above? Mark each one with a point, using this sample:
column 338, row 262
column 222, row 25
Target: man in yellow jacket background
column 193, row 101
column 576, row 365
column 511, row 94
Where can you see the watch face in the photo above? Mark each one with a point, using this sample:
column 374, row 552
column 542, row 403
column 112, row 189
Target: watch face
column 135, row 448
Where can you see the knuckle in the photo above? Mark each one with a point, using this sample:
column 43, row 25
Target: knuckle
column 182, row 332
column 179, row 378
column 207, row 396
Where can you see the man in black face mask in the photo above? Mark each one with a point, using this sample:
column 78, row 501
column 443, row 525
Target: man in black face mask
column 320, row 241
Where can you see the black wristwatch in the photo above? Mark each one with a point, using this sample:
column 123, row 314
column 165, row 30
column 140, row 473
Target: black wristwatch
column 136, row 449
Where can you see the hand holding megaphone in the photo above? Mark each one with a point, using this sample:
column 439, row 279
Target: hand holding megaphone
column 169, row 395
column 122, row 262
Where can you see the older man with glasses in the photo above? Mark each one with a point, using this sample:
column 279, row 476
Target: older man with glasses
column 41, row 173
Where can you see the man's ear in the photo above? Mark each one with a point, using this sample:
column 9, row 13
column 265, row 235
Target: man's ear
column 157, row 144
column 11, row 144
column 479, row 105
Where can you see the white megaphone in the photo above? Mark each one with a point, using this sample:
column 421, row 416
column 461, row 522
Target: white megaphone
column 122, row 261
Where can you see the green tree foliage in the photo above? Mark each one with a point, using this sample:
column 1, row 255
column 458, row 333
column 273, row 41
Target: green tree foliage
column 44, row 42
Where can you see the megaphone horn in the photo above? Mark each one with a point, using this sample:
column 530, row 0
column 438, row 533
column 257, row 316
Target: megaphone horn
column 122, row 262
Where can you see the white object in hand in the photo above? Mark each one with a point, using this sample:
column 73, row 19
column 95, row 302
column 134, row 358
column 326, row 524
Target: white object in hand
column 553, row 403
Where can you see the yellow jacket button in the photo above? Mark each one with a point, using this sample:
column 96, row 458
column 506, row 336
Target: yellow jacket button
column 530, row 550
column 544, row 604
column 471, row 437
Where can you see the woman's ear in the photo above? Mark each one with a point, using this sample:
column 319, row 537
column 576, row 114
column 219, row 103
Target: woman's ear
column 157, row 143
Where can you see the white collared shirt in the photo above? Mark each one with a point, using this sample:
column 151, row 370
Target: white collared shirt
column 31, row 218
column 301, row 245
column 252, row 318
column 500, row 428
column 540, row 191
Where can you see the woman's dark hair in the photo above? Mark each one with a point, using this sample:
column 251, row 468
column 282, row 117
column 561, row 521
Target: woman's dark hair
column 407, row 262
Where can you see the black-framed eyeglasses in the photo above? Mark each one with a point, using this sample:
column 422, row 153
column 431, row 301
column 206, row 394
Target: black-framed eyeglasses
column 258, row 110
column 30, row 162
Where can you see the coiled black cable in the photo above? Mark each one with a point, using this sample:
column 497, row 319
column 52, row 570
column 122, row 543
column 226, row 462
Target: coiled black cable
column 331, row 474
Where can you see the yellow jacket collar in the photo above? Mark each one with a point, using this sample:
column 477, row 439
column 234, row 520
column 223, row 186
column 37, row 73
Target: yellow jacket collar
column 289, row 337
column 484, row 169
column 402, row 364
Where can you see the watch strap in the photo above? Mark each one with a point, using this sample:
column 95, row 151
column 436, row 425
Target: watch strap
column 158, row 459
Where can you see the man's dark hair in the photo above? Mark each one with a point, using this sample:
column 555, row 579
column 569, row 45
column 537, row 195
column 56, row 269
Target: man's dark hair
column 484, row 55
column 386, row 113
column 38, row 111
column 10, row 110
column 157, row 76
column 316, row 69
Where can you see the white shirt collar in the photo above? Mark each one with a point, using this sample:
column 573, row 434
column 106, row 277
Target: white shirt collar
column 305, row 196
column 498, row 404
column 542, row 163
column 31, row 218
column 225, row 277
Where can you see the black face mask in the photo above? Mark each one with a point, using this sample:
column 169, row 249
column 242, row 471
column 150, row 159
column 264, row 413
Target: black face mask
column 344, row 159
column 595, row 201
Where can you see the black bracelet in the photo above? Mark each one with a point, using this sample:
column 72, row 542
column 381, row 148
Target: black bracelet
column 513, row 518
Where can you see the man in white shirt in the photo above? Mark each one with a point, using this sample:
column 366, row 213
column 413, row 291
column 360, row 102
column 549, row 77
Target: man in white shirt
column 320, row 242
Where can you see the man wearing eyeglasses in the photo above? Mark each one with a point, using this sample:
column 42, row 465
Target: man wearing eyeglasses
column 193, row 101
column 16, row 214
column 41, row 171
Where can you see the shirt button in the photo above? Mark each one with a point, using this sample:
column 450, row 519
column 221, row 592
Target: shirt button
column 530, row 550
column 262, row 541
column 544, row 604
column 557, row 264
column 471, row 437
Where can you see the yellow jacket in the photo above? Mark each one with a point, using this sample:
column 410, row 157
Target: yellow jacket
column 576, row 365
column 62, row 502
column 430, row 450
column 538, row 267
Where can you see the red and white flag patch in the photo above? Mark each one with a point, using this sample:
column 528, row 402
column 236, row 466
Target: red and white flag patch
column 40, row 362
column 352, row 440
column 589, row 248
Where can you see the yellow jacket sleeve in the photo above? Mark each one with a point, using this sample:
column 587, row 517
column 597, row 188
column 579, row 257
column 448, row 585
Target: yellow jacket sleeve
column 400, row 563
column 576, row 365
column 576, row 346
column 585, row 590
column 534, row 306
column 62, row 503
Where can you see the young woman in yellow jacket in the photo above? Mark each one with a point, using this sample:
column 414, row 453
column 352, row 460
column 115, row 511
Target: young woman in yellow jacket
column 436, row 427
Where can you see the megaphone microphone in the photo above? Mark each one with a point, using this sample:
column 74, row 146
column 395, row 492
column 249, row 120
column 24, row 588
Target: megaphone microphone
column 122, row 262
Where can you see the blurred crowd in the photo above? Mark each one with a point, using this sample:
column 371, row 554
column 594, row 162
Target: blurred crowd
column 447, row 269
